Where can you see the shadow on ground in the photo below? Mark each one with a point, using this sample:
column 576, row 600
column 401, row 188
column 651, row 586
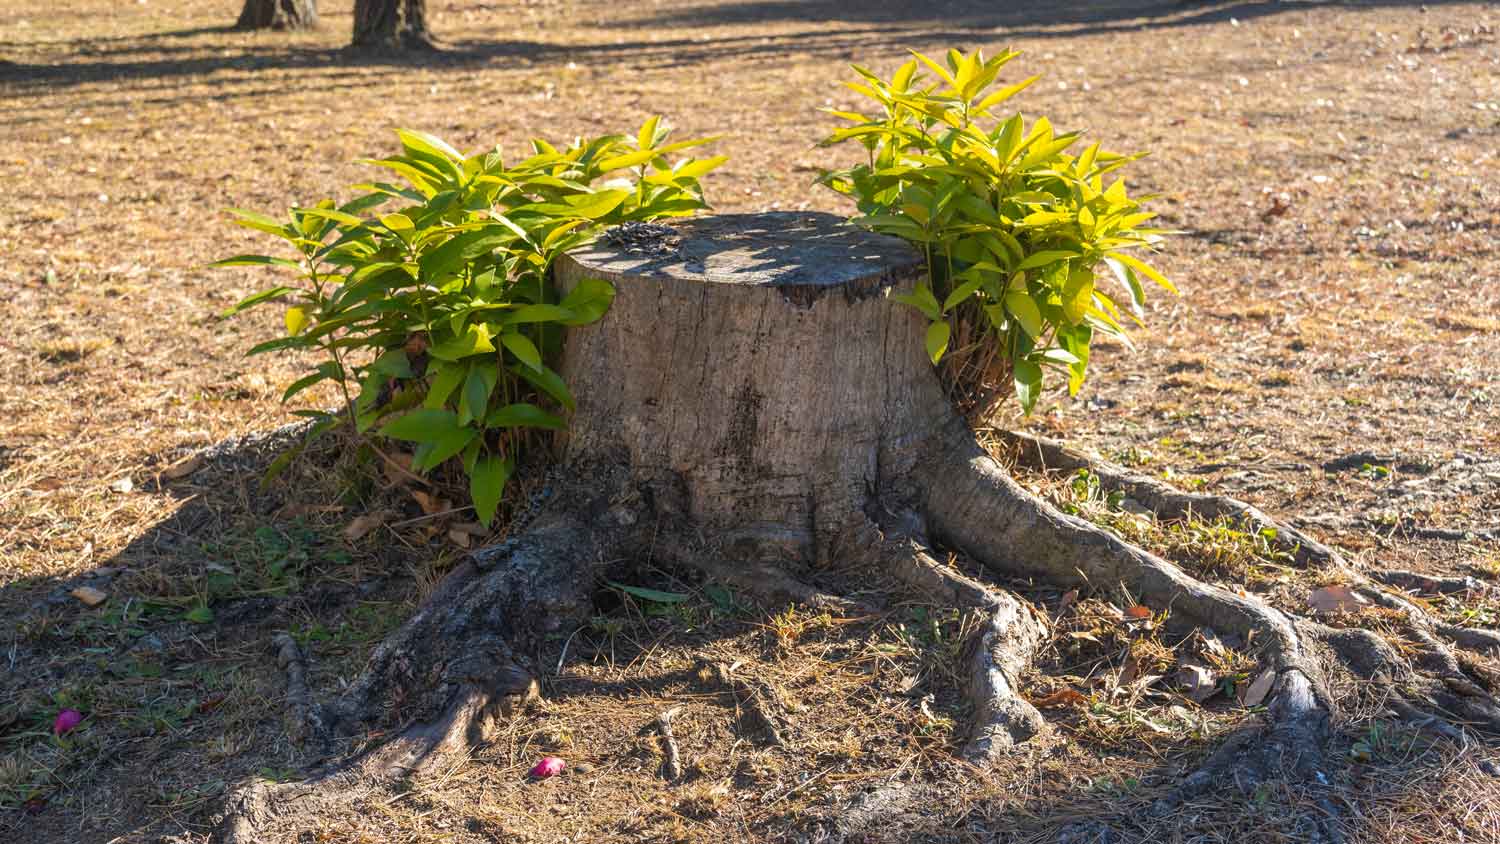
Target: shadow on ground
column 176, row 675
column 839, row 29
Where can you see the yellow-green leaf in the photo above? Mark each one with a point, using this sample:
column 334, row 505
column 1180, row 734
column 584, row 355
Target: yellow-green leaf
column 296, row 320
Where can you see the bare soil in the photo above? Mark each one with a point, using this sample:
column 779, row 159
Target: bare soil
column 1331, row 360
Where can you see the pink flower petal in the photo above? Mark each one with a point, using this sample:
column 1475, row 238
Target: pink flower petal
column 550, row 766
column 67, row 721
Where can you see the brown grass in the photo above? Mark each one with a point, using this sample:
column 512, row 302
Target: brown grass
column 1333, row 167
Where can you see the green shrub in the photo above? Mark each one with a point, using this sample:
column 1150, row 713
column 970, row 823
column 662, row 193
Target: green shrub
column 441, row 313
column 1012, row 224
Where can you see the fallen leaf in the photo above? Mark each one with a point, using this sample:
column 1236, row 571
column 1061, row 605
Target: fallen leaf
column 1062, row 697
column 1137, row 611
column 401, row 472
column 471, row 528
column 1255, row 693
column 1069, row 598
column 1337, row 599
column 361, row 526
column 89, row 595
column 183, row 467
column 430, row 503
column 1197, row 682
column 460, row 538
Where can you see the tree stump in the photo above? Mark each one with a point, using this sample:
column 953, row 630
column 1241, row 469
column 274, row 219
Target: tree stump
column 756, row 404
column 755, row 375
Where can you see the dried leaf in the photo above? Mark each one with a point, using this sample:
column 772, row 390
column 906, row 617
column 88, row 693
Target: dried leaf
column 461, row 538
column 429, row 503
column 394, row 475
column 361, row 526
column 1062, row 697
column 89, row 595
column 1069, row 598
column 182, row 468
column 1197, row 682
column 1137, row 612
column 1330, row 599
column 1255, row 693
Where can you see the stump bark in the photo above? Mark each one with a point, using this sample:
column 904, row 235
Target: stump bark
column 755, row 405
column 756, row 376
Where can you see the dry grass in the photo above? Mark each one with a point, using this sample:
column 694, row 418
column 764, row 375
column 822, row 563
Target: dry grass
column 1332, row 165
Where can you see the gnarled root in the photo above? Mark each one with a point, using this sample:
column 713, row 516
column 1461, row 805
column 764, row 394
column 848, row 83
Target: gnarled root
column 1008, row 638
column 979, row 508
column 974, row 505
column 447, row 674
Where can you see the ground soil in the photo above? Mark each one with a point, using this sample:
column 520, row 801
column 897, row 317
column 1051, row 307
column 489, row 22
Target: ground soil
column 1331, row 360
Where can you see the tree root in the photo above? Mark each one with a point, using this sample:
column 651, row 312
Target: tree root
column 1165, row 500
column 447, row 675
column 975, row 506
column 760, row 708
column 1008, row 638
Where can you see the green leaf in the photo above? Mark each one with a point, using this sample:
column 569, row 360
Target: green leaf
column 1042, row 259
column 1028, row 380
column 1024, row 309
column 654, row 595
column 474, row 401
column 922, row 299
column 256, row 261
column 1144, row 269
column 438, row 432
column 1004, row 94
column 258, row 299
column 539, row 313
column 475, row 340
column 444, row 382
column 548, row 382
column 937, row 340
column 461, row 249
column 522, row 348
column 523, row 415
column 589, row 300
column 1078, row 295
column 199, row 614
column 487, row 484
column 1076, row 339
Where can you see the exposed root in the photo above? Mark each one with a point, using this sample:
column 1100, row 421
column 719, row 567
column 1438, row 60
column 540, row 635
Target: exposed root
column 305, row 717
column 1008, row 638
column 758, row 704
column 449, row 673
column 1424, row 584
column 764, row 580
column 1165, row 500
column 974, row 505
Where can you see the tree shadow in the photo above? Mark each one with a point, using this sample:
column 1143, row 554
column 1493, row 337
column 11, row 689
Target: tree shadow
column 890, row 25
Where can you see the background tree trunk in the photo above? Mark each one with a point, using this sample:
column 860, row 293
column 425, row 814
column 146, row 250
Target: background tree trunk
column 392, row 24
column 278, row 14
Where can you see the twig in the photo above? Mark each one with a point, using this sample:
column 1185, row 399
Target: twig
column 671, row 766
